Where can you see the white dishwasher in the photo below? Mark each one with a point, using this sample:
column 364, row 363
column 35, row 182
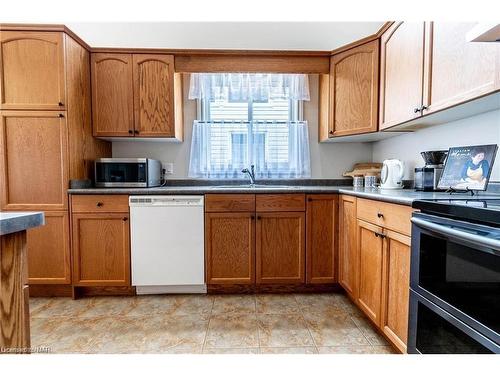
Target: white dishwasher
column 167, row 244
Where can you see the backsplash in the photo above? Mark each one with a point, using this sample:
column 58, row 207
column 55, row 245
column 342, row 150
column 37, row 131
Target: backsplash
column 479, row 129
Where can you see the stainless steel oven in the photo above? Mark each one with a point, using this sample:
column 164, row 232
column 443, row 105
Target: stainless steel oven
column 127, row 172
column 454, row 286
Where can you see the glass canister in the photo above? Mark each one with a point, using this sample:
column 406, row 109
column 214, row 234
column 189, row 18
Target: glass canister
column 370, row 181
column 357, row 181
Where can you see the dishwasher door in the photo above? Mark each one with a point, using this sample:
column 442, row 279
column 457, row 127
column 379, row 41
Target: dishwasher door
column 167, row 244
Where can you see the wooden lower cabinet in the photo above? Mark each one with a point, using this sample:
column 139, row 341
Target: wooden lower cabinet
column 370, row 245
column 101, row 249
column 396, row 288
column 321, row 238
column 49, row 250
column 348, row 247
column 229, row 247
column 280, row 248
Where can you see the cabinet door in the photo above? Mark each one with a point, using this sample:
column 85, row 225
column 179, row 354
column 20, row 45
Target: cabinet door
column 49, row 250
column 154, row 95
column 348, row 248
column 354, row 90
column 112, row 94
column 370, row 245
column 321, row 226
column 396, row 287
column 230, row 248
column 457, row 70
column 101, row 249
column 401, row 73
column 32, row 70
column 33, row 156
column 280, row 248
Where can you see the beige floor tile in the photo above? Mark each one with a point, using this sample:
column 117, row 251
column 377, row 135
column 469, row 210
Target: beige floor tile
column 38, row 304
column 231, row 351
column 68, row 335
column 239, row 304
column 373, row 336
column 151, row 305
column 154, row 334
column 109, row 306
column 191, row 305
column 323, row 304
column 277, row 304
column 293, row 350
column 63, row 307
column 283, row 331
column 360, row 349
column 335, row 331
column 232, row 331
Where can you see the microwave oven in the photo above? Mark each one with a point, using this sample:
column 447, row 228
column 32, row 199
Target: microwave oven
column 127, row 172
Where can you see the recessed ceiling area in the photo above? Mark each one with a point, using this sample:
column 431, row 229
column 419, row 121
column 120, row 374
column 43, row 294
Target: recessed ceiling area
column 312, row 36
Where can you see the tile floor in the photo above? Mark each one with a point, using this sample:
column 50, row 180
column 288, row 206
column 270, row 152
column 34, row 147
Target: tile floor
column 263, row 323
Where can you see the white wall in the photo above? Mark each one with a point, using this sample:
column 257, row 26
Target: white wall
column 479, row 129
column 327, row 160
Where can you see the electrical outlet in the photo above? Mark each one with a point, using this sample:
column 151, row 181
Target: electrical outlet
column 169, row 168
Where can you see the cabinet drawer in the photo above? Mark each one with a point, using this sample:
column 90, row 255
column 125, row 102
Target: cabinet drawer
column 99, row 203
column 229, row 202
column 388, row 215
column 280, row 202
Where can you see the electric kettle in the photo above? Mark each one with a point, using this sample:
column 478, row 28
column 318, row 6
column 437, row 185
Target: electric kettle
column 391, row 176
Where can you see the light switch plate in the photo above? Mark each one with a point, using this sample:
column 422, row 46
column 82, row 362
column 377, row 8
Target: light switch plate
column 169, row 168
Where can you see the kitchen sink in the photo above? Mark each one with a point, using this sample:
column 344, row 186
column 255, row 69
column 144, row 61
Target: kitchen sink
column 256, row 186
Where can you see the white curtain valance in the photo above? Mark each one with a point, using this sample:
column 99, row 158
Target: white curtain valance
column 248, row 86
column 276, row 149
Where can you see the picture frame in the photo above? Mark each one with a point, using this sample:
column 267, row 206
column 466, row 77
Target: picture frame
column 468, row 168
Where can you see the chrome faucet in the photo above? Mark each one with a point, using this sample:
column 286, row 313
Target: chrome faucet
column 251, row 173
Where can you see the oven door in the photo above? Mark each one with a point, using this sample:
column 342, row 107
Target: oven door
column 123, row 173
column 435, row 331
column 456, row 266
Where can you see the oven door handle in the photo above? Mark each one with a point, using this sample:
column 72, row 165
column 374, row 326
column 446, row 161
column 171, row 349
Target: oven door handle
column 465, row 236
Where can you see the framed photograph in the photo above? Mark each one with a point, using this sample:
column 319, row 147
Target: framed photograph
column 468, row 167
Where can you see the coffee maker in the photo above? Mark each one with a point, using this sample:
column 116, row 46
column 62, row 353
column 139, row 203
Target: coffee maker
column 427, row 177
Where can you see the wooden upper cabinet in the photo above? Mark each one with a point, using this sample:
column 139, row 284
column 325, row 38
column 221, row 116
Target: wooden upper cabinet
column 32, row 70
column 280, row 248
column 49, row 250
column 321, row 238
column 154, row 95
column 112, row 95
column 370, row 249
column 396, row 288
column 101, row 249
column 348, row 247
column 230, row 247
column 457, row 70
column 33, row 160
column 401, row 73
column 354, row 90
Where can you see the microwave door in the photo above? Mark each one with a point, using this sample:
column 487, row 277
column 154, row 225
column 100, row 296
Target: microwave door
column 119, row 174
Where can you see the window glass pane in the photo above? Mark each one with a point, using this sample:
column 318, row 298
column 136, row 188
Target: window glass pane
column 275, row 110
column 227, row 111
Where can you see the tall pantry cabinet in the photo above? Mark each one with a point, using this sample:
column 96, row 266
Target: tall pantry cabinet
column 45, row 138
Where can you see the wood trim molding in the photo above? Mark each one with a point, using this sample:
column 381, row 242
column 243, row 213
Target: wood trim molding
column 364, row 40
column 44, row 27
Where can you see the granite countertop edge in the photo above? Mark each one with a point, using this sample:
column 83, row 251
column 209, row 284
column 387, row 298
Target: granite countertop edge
column 403, row 197
column 12, row 222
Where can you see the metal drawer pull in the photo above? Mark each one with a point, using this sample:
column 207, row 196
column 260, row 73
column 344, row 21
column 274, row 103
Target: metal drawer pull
column 380, row 215
column 458, row 234
column 99, row 204
column 381, row 235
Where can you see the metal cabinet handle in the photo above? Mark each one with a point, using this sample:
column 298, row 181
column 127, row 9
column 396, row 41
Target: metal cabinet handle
column 424, row 107
column 130, row 132
column 136, row 131
column 252, row 217
column 61, row 104
column 61, row 115
column 381, row 235
column 330, row 132
column 99, row 204
column 258, row 217
column 380, row 215
column 416, row 110
column 125, row 218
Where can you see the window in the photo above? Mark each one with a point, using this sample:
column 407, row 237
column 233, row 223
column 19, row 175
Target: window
column 234, row 131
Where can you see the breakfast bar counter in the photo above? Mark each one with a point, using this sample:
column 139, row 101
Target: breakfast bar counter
column 14, row 292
